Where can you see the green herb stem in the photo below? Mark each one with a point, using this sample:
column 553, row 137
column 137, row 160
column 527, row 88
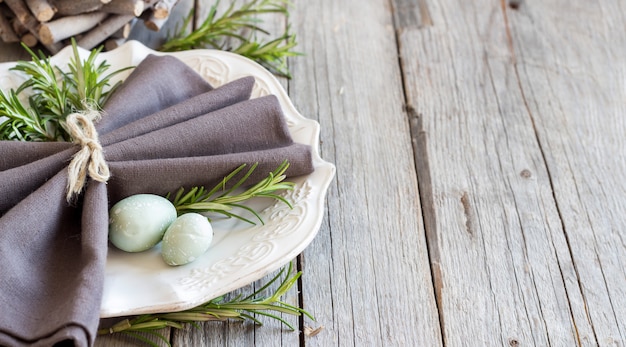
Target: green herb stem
column 52, row 95
column 241, row 26
column 219, row 309
column 222, row 201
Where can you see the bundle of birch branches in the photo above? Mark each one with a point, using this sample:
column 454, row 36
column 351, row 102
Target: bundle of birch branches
column 91, row 22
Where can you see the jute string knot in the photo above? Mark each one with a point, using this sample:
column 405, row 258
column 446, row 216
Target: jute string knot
column 89, row 159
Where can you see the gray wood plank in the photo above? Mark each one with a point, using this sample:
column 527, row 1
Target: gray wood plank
column 124, row 340
column 366, row 275
column 572, row 77
column 500, row 241
column 516, row 113
column 236, row 333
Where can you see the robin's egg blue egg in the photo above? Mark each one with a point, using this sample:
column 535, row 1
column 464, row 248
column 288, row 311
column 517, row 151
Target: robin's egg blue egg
column 138, row 222
column 187, row 238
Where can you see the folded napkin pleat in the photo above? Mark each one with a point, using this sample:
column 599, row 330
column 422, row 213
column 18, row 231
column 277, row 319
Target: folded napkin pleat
column 27, row 165
column 17, row 182
column 164, row 128
column 226, row 95
column 28, row 152
column 54, row 267
column 129, row 177
column 255, row 124
column 155, row 84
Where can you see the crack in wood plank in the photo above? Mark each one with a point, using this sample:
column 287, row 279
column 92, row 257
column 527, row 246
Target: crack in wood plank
column 424, row 181
column 410, row 13
column 420, row 153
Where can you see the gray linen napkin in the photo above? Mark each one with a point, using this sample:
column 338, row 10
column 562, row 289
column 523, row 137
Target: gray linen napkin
column 164, row 128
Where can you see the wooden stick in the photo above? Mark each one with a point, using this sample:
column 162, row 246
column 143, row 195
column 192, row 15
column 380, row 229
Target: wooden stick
column 134, row 7
column 74, row 7
column 30, row 22
column 22, row 13
column 29, row 39
column 162, row 8
column 62, row 28
column 18, row 28
column 42, row 9
column 6, row 31
column 153, row 23
column 104, row 30
column 22, row 32
column 124, row 31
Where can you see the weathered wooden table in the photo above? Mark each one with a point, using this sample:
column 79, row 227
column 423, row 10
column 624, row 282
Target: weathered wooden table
column 480, row 194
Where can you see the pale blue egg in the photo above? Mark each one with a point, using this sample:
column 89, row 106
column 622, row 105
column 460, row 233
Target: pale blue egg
column 138, row 222
column 187, row 238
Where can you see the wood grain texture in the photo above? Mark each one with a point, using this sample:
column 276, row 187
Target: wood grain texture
column 366, row 275
column 120, row 340
column 573, row 86
column 502, row 249
column 479, row 198
column 236, row 333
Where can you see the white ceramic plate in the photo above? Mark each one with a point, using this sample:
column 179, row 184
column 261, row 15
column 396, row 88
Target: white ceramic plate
column 240, row 253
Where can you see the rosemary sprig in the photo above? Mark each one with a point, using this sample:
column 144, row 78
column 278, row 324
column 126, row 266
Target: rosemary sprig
column 218, row 309
column 221, row 200
column 90, row 86
column 52, row 95
column 45, row 80
column 219, row 31
column 23, row 123
column 273, row 54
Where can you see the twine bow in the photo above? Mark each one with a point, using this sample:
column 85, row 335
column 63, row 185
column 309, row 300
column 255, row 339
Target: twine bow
column 89, row 159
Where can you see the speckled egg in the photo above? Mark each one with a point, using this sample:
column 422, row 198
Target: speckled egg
column 187, row 238
column 138, row 222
